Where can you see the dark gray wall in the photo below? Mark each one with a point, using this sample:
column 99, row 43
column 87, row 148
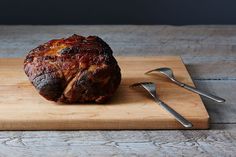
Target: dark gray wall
column 174, row 12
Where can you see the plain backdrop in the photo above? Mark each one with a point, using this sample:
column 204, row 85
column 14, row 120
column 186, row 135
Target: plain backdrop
column 173, row 12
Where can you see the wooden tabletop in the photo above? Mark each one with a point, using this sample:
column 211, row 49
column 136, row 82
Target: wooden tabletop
column 209, row 53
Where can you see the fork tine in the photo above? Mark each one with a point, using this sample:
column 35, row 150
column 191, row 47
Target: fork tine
column 150, row 71
column 135, row 85
column 149, row 86
column 157, row 69
column 139, row 84
column 147, row 83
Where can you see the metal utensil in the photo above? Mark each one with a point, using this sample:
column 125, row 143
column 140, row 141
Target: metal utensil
column 151, row 88
column 169, row 73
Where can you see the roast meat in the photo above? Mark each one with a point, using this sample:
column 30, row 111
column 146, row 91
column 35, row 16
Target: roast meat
column 73, row 70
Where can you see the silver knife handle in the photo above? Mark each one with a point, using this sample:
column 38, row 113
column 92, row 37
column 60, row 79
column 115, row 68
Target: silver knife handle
column 210, row 96
column 178, row 117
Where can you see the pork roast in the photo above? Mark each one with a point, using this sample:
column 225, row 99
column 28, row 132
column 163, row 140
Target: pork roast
column 73, row 70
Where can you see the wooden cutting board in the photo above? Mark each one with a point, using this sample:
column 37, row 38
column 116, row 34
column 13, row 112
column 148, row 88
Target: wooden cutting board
column 22, row 108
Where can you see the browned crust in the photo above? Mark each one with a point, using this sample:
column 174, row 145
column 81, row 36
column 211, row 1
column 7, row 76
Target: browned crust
column 75, row 69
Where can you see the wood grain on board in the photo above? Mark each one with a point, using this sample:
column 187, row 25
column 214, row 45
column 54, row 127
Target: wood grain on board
column 22, row 108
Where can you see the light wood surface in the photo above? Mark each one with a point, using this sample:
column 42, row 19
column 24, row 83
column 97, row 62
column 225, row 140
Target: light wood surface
column 22, row 108
column 208, row 52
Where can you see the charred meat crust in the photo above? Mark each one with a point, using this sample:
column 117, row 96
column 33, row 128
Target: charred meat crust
column 74, row 70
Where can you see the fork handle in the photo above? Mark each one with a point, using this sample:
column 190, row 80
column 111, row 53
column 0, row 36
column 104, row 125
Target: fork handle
column 177, row 116
column 210, row 96
column 195, row 90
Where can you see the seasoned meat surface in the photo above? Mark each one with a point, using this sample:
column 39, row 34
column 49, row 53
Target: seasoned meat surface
column 73, row 70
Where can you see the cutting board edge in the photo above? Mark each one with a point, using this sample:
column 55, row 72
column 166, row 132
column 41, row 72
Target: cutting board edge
column 199, row 123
